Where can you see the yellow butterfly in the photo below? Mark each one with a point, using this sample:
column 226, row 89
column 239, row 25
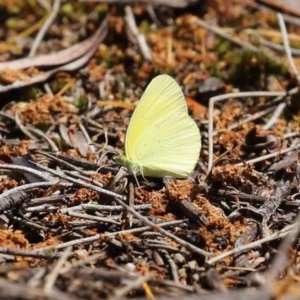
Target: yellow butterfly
column 161, row 139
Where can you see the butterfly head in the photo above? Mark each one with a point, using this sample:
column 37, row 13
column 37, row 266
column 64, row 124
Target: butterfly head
column 132, row 167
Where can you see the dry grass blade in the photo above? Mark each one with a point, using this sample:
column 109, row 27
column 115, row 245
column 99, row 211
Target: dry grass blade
column 47, row 24
column 287, row 47
column 175, row 3
column 137, row 37
column 62, row 57
column 70, row 59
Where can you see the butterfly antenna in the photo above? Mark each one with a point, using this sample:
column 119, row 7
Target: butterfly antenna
column 137, row 182
column 143, row 176
column 142, row 173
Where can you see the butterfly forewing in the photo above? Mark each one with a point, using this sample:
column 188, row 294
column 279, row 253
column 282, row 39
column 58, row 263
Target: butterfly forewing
column 161, row 95
column 161, row 138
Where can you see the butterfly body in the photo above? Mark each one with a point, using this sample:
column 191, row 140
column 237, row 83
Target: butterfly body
column 161, row 139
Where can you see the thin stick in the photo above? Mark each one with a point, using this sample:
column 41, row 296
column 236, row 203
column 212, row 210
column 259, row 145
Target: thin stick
column 111, row 234
column 29, row 253
column 81, row 182
column 275, row 116
column 44, row 28
column 282, row 255
column 222, row 33
column 138, row 37
column 287, row 47
column 100, row 207
column 255, row 244
column 10, row 197
column 267, row 156
column 40, row 133
column 120, row 199
column 120, row 292
column 51, row 278
column 93, row 218
column 219, row 98
column 44, row 176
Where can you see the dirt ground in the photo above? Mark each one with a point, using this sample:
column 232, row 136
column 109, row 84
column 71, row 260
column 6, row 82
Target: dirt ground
column 75, row 224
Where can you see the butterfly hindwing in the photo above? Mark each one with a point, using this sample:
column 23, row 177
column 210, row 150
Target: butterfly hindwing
column 175, row 149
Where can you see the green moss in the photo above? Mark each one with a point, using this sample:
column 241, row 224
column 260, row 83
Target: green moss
column 81, row 102
column 145, row 26
column 16, row 23
column 28, row 93
column 67, row 9
column 252, row 68
column 213, row 69
column 295, row 44
column 293, row 108
column 42, row 123
column 224, row 47
column 57, row 85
